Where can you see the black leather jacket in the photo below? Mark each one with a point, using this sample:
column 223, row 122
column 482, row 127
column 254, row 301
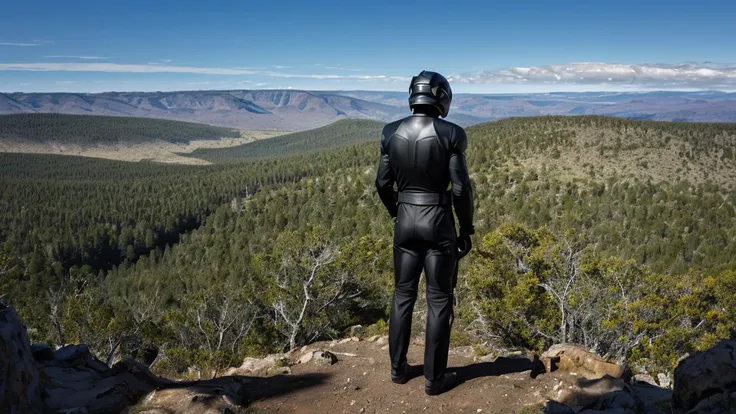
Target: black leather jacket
column 423, row 154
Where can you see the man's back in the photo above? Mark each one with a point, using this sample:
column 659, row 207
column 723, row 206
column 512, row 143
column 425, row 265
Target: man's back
column 419, row 148
column 422, row 154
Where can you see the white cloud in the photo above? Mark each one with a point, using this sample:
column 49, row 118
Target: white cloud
column 338, row 67
column 206, row 83
column 120, row 68
column 281, row 67
column 18, row 44
column 573, row 76
column 335, row 67
column 327, row 76
column 27, row 44
column 141, row 68
column 78, row 57
column 686, row 75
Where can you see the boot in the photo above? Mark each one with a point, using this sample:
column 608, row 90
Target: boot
column 444, row 383
column 401, row 376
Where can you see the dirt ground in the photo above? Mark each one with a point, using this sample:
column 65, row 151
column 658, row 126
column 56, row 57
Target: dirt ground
column 360, row 383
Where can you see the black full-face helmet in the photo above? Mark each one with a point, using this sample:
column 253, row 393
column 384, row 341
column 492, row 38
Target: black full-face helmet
column 430, row 88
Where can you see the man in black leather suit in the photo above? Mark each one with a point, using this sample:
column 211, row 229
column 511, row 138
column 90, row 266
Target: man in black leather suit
column 423, row 155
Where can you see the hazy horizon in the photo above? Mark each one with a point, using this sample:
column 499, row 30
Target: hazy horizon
column 479, row 93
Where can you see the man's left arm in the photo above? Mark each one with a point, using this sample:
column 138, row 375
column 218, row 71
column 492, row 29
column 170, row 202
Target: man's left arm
column 385, row 181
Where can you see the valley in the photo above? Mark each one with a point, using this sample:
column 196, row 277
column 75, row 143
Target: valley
column 117, row 138
column 123, row 256
column 158, row 151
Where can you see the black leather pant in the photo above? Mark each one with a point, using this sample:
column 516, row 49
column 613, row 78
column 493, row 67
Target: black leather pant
column 424, row 237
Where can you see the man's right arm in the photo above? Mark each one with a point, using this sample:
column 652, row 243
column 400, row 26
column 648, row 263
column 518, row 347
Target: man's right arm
column 462, row 191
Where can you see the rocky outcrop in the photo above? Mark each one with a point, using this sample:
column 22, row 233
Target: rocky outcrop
column 21, row 390
column 706, row 382
column 606, row 394
column 605, row 387
column 574, row 358
column 222, row 395
column 77, row 380
column 70, row 380
column 37, row 379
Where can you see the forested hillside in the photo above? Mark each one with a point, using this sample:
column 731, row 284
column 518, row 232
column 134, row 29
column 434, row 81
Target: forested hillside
column 617, row 234
column 601, row 148
column 103, row 130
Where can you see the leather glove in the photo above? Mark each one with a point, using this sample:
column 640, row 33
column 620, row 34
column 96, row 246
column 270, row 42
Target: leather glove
column 464, row 244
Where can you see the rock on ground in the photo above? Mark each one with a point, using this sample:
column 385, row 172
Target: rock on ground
column 21, row 390
column 706, row 375
column 78, row 379
column 319, row 356
column 719, row 403
column 592, row 393
column 664, row 380
column 554, row 407
column 574, row 358
column 325, row 357
column 253, row 365
column 645, row 379
column 215, row 396
column 80, row 383
column 306, row 357
column 71, row 380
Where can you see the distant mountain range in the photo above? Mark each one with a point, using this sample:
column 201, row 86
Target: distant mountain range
column 701, row 106
column 296, row 110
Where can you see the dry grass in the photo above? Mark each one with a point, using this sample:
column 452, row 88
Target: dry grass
column 640, row 157
column 160, row 151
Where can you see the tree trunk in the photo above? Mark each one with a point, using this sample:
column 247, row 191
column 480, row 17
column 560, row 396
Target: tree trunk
column 292, row 338
column 563, row 324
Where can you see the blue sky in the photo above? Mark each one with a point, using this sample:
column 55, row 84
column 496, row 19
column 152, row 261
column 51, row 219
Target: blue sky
column 483, row 46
